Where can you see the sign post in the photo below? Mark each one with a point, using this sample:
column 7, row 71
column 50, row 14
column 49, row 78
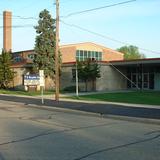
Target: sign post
column 41, row 74
column 76, row 80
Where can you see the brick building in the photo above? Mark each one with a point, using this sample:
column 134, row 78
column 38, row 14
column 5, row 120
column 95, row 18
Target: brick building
column 23, row 61
column 116, row 74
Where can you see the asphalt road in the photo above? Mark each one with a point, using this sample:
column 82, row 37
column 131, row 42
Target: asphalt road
column 107, row 109
column 28, row 133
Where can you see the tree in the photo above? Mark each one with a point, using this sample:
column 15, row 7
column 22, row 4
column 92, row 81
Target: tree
column 88, row 71
column 6, row 73
column 131, row 52
column 45, row 44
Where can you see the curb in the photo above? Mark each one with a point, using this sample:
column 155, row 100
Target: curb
column 113, row 103
column 116, row 117
column 63, row 110
column 92, row 102
column 134, row 119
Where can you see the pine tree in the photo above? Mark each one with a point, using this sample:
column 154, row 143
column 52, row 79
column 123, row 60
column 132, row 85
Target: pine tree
column 45, row 44
column 6, row 73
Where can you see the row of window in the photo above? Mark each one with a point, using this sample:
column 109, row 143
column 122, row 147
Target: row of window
column 18, row 58
column 82, row 55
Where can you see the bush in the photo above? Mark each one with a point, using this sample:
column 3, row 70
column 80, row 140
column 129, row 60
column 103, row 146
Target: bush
column 70, row 89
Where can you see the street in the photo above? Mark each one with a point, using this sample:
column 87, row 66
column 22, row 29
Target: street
column 28, row 133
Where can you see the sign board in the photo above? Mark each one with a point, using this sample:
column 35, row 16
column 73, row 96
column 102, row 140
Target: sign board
column 31, row 80
column 41, row 74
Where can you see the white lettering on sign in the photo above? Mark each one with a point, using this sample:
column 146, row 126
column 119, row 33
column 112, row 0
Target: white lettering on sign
column 30, row 80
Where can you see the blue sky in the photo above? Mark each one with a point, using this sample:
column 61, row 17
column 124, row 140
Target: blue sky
column 135, row 23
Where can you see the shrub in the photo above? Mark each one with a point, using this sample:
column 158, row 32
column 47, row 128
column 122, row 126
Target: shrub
column 70, row 89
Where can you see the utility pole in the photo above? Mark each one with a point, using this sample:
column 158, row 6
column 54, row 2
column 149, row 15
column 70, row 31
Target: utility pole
column 57, row 53
column 77, row 94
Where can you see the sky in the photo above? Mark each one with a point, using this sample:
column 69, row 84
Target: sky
column 135, row 23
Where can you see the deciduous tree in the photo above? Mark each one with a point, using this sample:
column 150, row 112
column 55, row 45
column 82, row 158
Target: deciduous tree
column 88, row 71
column 131, row 52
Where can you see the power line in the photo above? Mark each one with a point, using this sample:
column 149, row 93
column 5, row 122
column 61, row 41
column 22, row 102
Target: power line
column 106, row 37
column 20, row 17
column 75, row 13
column 19, row 26
column 98, row 8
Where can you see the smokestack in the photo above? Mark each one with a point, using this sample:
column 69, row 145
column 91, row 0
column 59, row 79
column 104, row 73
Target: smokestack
column 7, row 30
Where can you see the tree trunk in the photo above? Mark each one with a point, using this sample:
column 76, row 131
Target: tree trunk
column 93, row 84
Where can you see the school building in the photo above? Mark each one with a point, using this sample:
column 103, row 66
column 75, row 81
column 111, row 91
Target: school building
column 116, row 73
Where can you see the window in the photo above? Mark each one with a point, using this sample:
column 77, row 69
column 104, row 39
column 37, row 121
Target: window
column 31, row 56
column 83, row 55
column 89, row 54
column 17, row 59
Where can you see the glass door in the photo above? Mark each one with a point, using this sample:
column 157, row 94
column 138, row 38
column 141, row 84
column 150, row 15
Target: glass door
column 134, row 79
column 145, row 80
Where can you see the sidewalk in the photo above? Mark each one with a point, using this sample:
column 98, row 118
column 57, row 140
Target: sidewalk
column 133, row 111
column 65, row 97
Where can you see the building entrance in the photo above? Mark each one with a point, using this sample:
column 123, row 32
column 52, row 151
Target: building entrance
column 140, row 80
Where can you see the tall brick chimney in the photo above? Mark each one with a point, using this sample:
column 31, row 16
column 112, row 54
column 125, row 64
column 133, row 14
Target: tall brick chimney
column 7, row 31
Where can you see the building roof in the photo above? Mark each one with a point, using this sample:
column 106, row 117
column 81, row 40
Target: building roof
column 136, row 61
column 88, row 43
column 126, row 62
column 31, row 50
column 76, row 45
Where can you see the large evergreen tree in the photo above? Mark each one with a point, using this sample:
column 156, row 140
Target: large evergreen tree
column 6, row 73
column 131, row 52
column 88, row 71
column 45, row 44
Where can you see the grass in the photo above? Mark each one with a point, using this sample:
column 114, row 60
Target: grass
column 33, row 93
column 139, row 97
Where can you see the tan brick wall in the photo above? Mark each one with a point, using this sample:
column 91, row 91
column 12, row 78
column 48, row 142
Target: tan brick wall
column 111, row 79
column 49, row 84
column 110, row 55
column 68, row 54
column 89, row 47
column 66, row 78
column 18, row 79
column 7, row 30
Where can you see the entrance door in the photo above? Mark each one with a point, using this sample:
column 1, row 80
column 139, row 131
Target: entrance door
column 134, row 79
column 140, row 80
column 145, row 80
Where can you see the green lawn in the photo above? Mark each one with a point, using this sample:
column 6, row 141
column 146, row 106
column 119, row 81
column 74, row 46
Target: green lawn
column 139, row 97
column 25, row 92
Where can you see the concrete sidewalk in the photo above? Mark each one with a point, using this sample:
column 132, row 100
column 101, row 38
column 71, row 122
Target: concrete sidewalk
column 99, row 107
column 66, row 97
